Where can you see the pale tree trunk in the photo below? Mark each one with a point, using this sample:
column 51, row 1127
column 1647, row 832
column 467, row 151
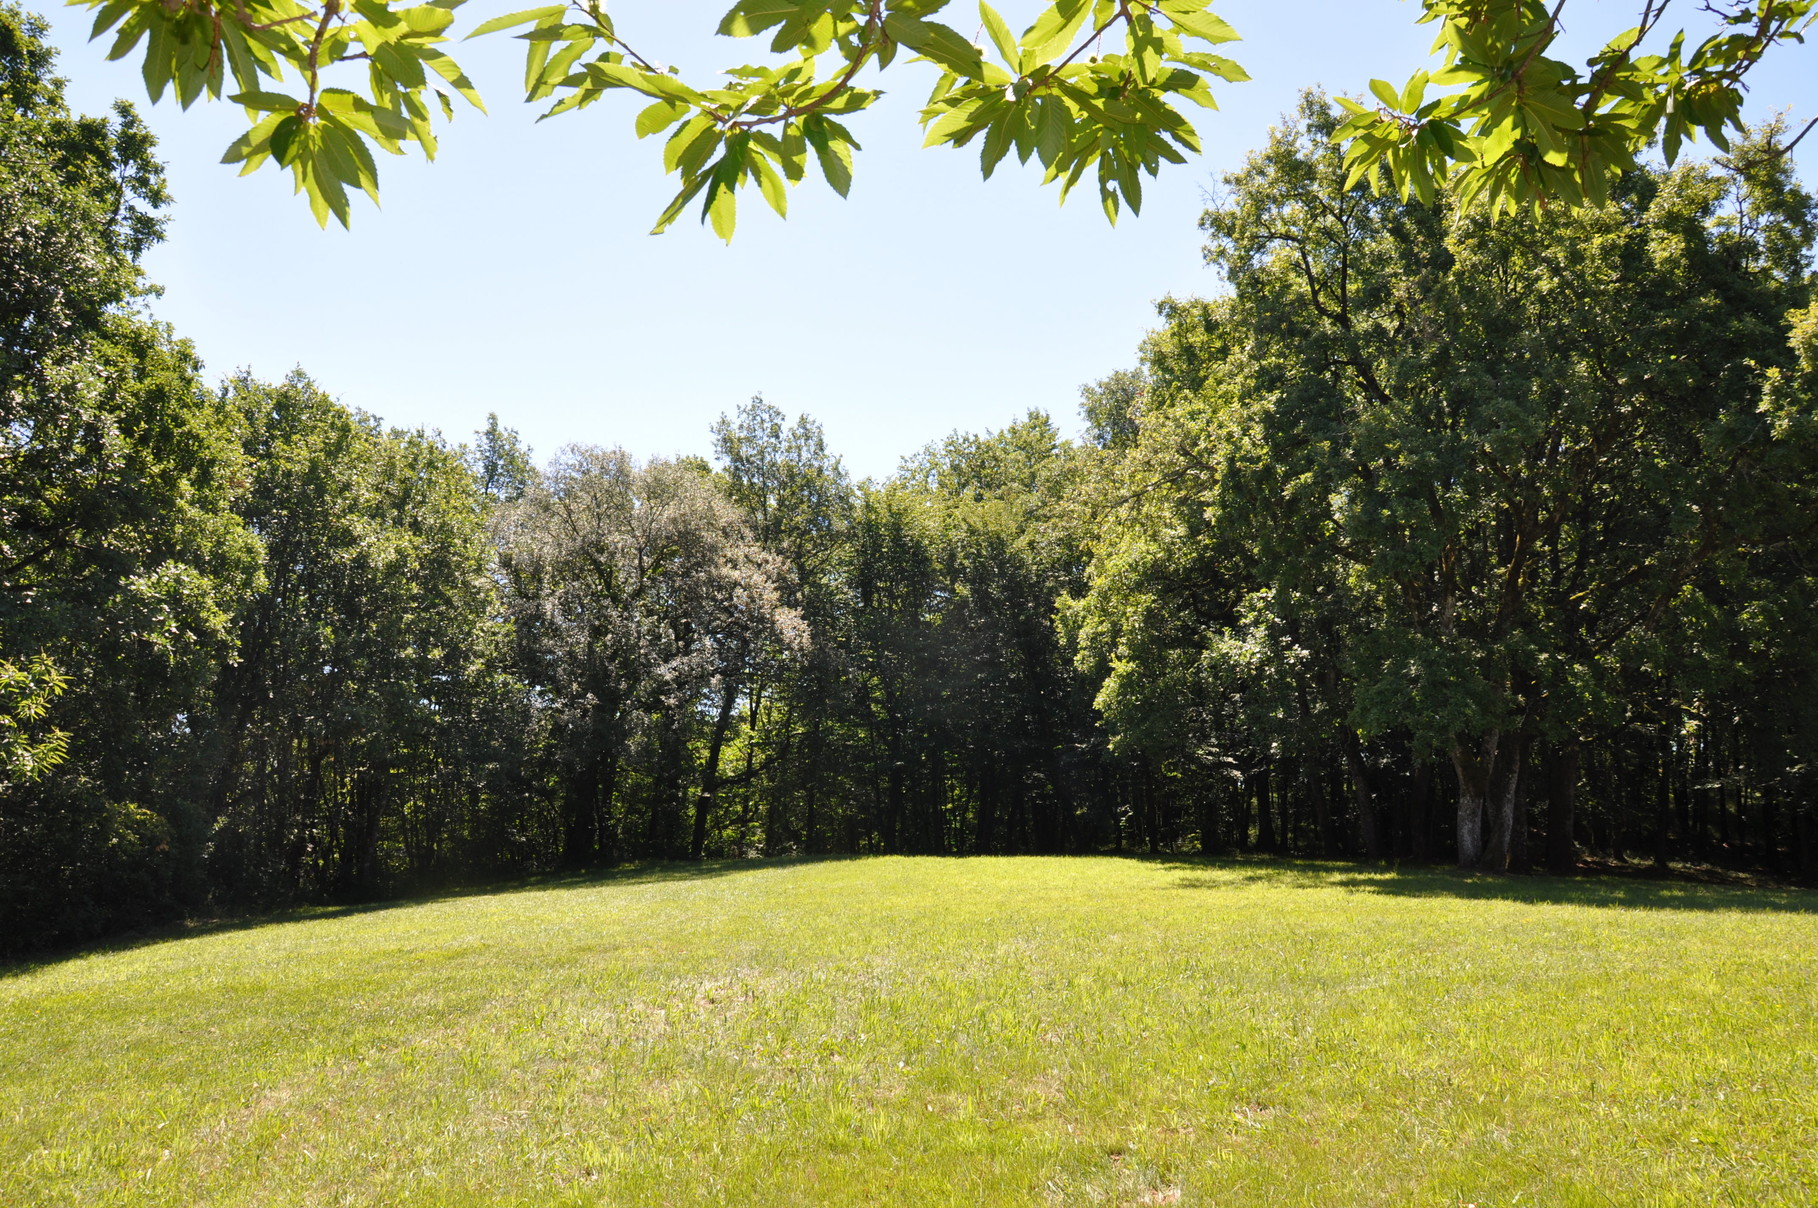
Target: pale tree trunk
column 1505, row 784
column 1488, row 779
column 1473, row 788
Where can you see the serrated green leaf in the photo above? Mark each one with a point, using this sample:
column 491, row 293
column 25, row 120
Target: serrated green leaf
column 551, row 12
column 660, row 116
column 691, row 188
column 770, row 185
column 723, row 210
column 1000, row 36
column 793, row 153
column 1053, row 31
column 284, row 139
column 751, row 17
column 451, row 71
column 1206, row 26
column 831, row 151
column 1051, row 126
column 266, row 102
column 996, row 145
column 936, row 43
column 653, row 84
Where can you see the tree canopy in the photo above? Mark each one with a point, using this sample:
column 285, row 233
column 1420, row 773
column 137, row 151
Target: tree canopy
column 1452, row 484
column 1093, row 90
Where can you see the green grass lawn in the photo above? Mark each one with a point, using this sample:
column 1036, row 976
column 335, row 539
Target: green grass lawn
column 977, row 1032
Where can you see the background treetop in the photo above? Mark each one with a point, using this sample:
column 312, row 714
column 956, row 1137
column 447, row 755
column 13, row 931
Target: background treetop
column 1091, row 88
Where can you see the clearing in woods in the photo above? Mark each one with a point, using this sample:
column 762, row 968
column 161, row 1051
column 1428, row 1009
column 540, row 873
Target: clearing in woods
column 939, row 1031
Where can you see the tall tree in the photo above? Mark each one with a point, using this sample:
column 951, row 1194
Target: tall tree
column 640, row 602
column 1462, row 471
column 121, row 561
column 358, row 731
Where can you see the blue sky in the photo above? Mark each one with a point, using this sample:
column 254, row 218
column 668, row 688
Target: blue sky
column 515, row 275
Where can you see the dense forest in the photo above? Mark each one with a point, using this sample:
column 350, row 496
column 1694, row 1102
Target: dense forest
column 1430, row 537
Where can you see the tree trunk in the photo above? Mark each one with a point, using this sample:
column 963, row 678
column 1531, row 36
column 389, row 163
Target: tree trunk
column 1562, row 784
column 710, row 774
column 1060, row 835
column 1151, row 810
column 579, row 806
column 1723, row 774
column 1701, row 796
column 775, row 824
column 1420, row 813
column 1208, row 820
column 1770, row 829
column 611, row 841
column 1241, row 824
column 1502, row 789
column 984, row 799
column 1265, row 810
column 668, row 801
column 1805, row 841
column 1519, row 848
column 1474, row 769
column 1366, row 799
column 1313, row 775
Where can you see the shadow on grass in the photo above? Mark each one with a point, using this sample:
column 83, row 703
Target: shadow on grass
column 1601, row 889
column 628, row 874
column 1609, row 890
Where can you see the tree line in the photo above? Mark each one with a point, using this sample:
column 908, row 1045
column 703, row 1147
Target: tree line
column 1432, row 537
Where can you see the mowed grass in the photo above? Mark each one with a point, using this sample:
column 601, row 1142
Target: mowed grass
column 927, row 1031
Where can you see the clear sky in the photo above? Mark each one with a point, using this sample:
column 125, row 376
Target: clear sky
column 515, row 273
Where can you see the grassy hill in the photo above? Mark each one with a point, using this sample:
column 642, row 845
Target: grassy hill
column 902, row 1031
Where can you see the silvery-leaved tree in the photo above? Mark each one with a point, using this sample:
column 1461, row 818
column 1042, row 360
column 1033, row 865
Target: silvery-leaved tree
column 1091, row 87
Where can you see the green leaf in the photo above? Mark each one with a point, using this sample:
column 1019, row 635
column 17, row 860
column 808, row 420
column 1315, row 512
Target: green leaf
column 1494, row 145
column 1202, row 25
column 832, row 152
column 692, row 130
column 451, row 71
column 1000, row 36
column 997, row 143
column 722, row 210
column 1053, row 31
column 1051, row 126
column 936, row 43
column 698, row 148
column 793, row 152
column 426, row 19
column 284, row 138
column 525, row 17
column 269, row 102
column 650, row 83
column 254, row 147
column 350, row 159
column 1414, row 93
column 691, row 188
column 751, row 17
column 660, row 116
column 770, row 185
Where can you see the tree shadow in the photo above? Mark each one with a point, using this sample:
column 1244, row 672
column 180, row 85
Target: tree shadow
column 1630, row 891
column 1606, row 889
column 641, row 873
